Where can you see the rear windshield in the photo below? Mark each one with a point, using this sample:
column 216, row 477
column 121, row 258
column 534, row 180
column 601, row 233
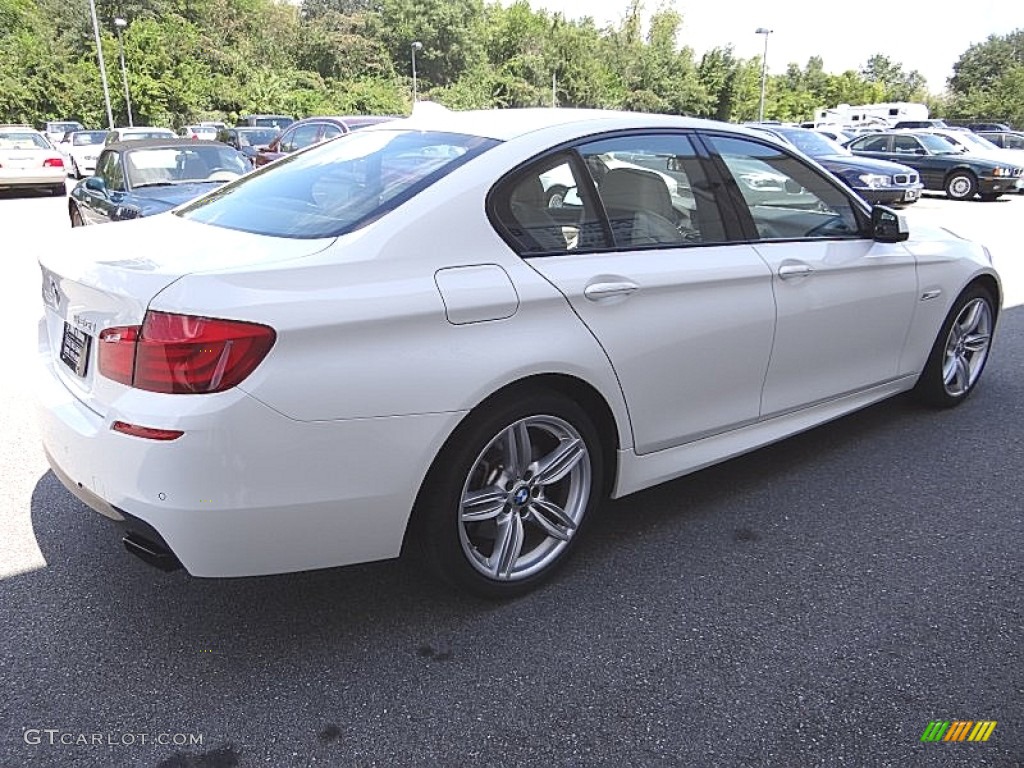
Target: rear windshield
column 271, row 122
column 22, row 140
column 85, row 138
column 338, row 186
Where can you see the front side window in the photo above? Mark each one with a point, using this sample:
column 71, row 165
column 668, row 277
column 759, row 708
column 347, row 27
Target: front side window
column 339, row 186
column 872, row 144
column 300, row 137
column 111, row 172
column 787, row 199
column 906, row 144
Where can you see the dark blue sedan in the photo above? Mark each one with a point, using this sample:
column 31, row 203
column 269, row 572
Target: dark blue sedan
column 877, row 181
column 146, row 177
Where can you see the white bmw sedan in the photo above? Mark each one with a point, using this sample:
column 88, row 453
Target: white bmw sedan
column 391, row 342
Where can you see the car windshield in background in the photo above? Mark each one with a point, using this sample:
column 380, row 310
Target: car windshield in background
column 937, row 144
column 814, row 144
column 63, row 127
column 273, row 122
column 256, row 137
column 339, row 186
column 85, row 138
column 176, row 165
column 22, row 140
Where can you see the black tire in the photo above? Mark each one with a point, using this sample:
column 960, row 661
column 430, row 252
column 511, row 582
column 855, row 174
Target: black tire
column 555, row 196
column 961, row 185
column 950, row 348
column 75, row 172
column 76, row 217
column 59, row 190
column 477, row 458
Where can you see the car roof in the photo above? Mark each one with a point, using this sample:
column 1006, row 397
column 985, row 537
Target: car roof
column 507, row 124
column 167, row 143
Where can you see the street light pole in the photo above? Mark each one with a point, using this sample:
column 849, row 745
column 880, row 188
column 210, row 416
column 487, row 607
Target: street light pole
column 103, row 69
column 120, row 24
column 417, row 46
column 764, row 64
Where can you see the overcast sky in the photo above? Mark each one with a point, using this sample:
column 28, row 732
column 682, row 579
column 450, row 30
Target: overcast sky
column 924, row 35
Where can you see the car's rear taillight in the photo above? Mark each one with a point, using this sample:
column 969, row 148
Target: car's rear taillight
column 53, row 162
column 183, row 354
column 117, row 352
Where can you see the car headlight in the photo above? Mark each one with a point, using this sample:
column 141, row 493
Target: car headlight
column 1002, row 172
column 875, row 180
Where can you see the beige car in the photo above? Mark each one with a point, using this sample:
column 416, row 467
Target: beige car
column 29, row 161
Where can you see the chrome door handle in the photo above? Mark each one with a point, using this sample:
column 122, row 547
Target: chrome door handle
column 599, row 291
column 794, row 270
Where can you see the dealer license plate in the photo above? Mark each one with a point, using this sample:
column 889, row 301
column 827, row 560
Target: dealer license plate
column 74, row 349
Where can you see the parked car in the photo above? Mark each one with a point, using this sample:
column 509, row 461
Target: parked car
column 389, row 341
column 976, row 144
column 919, row 124
column 1004, row 139
column 138, row 133
column 206, row 132
column 29, row 161
column 55, row 130
column 80, row 150
column 149, row 176
column 980, row 127
column 877, row 181
column 312, row 130
column 942, row 166
column 266, row 121
column 247, row 140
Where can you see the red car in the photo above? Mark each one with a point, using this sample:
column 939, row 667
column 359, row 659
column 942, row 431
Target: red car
column 312, row 130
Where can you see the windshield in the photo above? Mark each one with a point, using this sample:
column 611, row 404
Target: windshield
column 338, row 186
column 63, row 127
column 22, row 140
column 256, row 137
column 165, row 166
column 154, row 134
column 813, row 144
column 85, row 138
column 978, row 142
column 272, row 122
column 937, row 145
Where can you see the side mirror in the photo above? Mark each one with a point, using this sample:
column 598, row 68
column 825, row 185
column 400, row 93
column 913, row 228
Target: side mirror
column 887, row 226
column 95, row 183
column 920, row 151
column 792, row 187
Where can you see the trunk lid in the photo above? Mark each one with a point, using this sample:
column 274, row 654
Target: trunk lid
column 107, row 275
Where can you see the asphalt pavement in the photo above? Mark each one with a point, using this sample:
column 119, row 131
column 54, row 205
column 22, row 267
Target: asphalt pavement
column 815, row 603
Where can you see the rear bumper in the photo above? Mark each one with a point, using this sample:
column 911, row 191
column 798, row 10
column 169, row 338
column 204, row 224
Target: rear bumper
column 51, row 177
column 245, row 491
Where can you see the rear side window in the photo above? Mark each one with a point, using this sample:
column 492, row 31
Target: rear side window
column 338, row 186
column 623, row 192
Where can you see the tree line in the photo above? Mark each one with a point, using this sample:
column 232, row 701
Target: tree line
column 191, row 60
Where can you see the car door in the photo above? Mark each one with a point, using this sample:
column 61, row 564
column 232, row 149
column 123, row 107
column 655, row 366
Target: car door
column 844, row 302
column 96, row 205
column 685, row 316
column 909, row 150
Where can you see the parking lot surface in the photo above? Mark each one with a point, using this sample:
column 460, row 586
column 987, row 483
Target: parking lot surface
column 815, row 603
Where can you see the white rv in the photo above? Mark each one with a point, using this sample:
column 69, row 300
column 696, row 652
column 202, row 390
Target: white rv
column 866, row 115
